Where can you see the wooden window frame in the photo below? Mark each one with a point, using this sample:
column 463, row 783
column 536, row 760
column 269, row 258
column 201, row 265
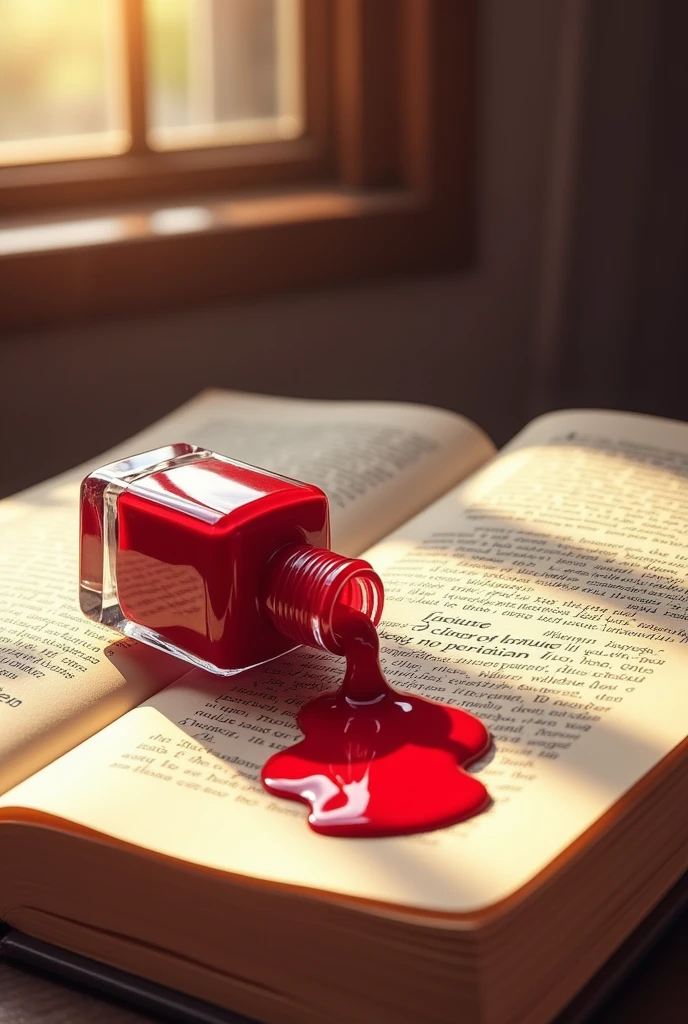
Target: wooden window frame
column 382, row 182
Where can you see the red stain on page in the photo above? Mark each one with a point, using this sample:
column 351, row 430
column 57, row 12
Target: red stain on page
column 377, row 762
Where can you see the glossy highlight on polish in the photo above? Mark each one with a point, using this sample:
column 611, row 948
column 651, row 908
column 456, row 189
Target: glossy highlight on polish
column 375, row 761
column 228, row 566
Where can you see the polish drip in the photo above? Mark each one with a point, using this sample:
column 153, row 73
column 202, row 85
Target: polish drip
column 374, row 761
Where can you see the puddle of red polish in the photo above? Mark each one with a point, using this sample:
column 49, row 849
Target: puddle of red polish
column 377, row 762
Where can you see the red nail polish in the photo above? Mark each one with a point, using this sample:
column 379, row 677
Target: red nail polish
column 219, row 563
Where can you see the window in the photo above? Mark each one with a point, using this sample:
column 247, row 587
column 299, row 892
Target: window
column 99, row 77
column 223, row 71
column 103, row 100
column 155, row 152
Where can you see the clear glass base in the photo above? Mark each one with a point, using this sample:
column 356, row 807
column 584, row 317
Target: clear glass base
column 99, row 493
column 153, row 639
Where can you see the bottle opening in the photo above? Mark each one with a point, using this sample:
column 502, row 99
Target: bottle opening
column 306, row 586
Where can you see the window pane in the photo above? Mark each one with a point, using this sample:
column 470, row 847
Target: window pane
column 223, row 71
column 58, row 79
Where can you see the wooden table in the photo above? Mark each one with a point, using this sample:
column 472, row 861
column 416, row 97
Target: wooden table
column 657, row 992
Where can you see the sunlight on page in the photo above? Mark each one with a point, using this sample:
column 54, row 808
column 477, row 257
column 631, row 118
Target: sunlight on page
column 516, row 597
column 589, row 542
column 146, row 780
column 63, row 676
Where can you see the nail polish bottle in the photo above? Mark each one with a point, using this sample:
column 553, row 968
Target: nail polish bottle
column 219, row 563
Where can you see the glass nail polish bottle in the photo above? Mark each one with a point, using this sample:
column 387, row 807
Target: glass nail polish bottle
column 222, row 564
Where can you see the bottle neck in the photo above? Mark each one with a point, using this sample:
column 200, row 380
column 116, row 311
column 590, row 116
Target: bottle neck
column 306, row 587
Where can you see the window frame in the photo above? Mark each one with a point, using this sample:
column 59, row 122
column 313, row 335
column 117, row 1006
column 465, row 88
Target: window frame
column 381, row 183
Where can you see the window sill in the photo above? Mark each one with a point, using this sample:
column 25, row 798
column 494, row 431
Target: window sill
column 62, row 267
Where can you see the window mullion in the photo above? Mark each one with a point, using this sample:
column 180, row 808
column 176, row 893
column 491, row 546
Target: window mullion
column 134, row 37
column 367, row 90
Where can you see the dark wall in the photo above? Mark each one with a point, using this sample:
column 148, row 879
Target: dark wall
column 625, row 336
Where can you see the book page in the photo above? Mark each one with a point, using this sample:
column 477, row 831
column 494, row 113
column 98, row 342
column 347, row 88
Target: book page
column 378, row 462
column 547, row 596
column 62, row 677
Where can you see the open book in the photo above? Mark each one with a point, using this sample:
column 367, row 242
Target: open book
column 544, row 588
